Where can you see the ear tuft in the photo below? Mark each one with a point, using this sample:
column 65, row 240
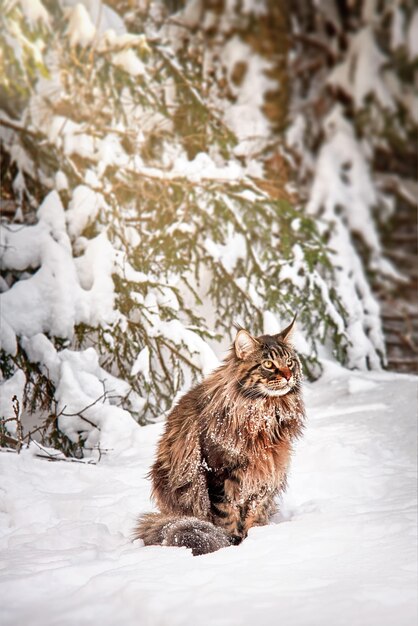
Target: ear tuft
column 244, row 344
column 286, row 335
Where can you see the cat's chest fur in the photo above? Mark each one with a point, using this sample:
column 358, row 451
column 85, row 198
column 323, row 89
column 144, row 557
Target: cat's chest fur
column 248, row 442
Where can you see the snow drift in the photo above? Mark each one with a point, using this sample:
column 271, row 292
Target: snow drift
column 341, row 552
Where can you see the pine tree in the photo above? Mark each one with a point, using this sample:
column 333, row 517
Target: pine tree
column 145, row 221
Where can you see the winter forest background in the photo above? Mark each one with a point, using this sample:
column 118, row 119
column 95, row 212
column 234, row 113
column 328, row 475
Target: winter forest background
column 170, row 168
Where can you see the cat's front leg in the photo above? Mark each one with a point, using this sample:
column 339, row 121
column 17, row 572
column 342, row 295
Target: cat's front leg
column 238, row 512
column 257, row 511
column 227, row 514
column 238, row 517
column 231, row 511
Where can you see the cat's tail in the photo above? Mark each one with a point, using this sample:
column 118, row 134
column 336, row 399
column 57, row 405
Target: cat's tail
column 190, row 532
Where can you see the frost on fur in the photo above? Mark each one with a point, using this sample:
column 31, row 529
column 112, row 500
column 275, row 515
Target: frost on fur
column 200, row 536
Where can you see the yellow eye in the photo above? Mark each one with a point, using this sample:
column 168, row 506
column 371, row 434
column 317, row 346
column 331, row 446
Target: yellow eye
column 268, row 365
column 289, row 362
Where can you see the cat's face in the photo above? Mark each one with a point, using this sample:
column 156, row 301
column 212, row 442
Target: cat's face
column 268, row 365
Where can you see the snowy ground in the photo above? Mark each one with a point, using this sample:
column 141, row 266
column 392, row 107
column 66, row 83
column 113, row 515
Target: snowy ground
column 343, row 551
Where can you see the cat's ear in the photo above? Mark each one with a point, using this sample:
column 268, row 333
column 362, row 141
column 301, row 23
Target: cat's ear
column 286, row 335
column 244, row 344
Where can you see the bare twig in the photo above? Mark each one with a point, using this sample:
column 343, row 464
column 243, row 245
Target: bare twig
column 17, row 127
column 79, row 414
column 19, row 428
column 17, row 442
column 50, row 456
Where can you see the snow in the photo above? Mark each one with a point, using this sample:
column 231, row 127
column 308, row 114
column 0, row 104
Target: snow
column 83, row 391
column 245, row 116
column 82, row 209
column 202, row 355
column 142, row 364
column 101, row 15
column 341, row 552
column 95, row 268
column 412, row 36
column 13, row 386
column 128, row 61
column 343, row 179
column 61, row 181
column 360, row 74
column 81, row 30
column 201, row 168
column 35, row 11
column 64, row 290
column 342, row 174
column 397, row 35
column 229, row 253
column 111, row 41
column 21, row 44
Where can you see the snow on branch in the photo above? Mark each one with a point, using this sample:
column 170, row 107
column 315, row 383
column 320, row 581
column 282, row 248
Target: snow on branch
column 143, row 229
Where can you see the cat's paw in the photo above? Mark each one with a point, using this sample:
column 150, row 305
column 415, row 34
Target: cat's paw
column 235, row 539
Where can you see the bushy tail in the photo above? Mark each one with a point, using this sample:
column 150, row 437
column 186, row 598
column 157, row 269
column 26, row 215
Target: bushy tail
column 201, row 536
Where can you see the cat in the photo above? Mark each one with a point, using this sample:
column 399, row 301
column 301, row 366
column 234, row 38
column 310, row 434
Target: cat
column 226, row 448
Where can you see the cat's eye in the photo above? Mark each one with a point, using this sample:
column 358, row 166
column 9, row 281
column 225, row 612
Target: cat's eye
column 268, row 364
column 290, row 362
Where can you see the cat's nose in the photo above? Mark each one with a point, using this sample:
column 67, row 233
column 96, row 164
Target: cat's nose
column 286, row 373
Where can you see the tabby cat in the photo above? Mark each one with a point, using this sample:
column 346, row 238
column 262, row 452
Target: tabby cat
column 226, row 448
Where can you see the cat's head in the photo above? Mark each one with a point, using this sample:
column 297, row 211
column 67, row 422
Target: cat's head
column 267, row 365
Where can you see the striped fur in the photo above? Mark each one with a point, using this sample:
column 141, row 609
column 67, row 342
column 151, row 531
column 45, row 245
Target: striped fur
column 226, row 448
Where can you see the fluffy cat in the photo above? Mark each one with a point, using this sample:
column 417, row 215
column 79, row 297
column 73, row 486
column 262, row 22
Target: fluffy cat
column 226, row 448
